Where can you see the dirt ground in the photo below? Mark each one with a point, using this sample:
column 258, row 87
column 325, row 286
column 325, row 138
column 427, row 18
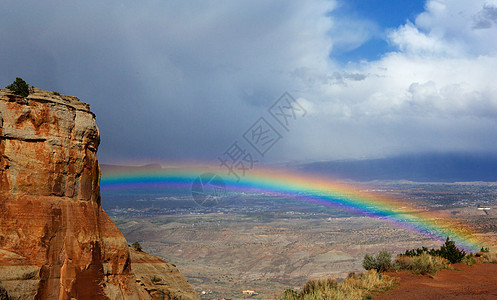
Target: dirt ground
column 465, row 282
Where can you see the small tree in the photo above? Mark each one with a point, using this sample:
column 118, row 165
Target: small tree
column 19, row 87
column 137, row 246
column 450, row 252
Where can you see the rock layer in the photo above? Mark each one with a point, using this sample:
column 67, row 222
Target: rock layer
column 56, row 242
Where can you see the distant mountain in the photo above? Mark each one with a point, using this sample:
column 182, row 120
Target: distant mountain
column 107, row 168
column 448, row 167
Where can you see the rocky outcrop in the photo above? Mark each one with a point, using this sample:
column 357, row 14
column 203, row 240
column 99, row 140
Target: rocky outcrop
column 56, row 242
column 160, row 279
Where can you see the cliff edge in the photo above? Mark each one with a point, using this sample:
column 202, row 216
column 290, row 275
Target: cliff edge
column 56, row 242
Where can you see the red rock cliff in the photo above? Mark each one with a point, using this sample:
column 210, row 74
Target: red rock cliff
column 56, row 242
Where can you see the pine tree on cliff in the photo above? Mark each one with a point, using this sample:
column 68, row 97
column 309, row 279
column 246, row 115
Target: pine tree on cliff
column 19, row 87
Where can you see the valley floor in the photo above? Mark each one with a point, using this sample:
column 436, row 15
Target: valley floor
column 268, row 243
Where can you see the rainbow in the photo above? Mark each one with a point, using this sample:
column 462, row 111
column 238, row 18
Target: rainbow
column 309, row 188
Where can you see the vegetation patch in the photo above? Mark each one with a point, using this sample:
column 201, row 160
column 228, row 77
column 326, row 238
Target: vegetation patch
column 19, row 87
column 423, row 264
column 137, row 246
column 469, row 260
column 490, row 257
column 448, row 251
column 362, row 286
column 355, row 286
column 381, row 263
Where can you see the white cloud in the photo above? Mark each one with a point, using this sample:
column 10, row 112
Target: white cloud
column 436, row 92
column 410, row 40
column 435, row 68
column 351, row 33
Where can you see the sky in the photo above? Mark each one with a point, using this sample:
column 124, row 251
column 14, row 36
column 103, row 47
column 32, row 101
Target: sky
column 174, row 81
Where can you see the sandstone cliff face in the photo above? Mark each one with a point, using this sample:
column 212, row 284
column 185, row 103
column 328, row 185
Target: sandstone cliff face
column 56, row 242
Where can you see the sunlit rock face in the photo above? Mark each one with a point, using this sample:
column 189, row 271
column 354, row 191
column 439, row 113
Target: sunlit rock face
column 56, row 242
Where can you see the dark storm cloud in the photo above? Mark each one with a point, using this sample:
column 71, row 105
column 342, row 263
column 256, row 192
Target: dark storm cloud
column 167, row 80
column 182, row 80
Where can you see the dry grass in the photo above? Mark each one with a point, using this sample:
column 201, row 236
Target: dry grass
column 356, row 286
column 490, row 257
column 469, row 260
column 423, row 264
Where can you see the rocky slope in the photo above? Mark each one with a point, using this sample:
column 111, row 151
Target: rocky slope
column 56, row 242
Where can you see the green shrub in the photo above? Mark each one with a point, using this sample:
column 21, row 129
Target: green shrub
column 448, row 251
column 424, row 264
column 403, row 263
column 137, row 246
column 469, row 260
column 19, row 87
column 369, row 262
column 416, row 252
column 381, row 263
